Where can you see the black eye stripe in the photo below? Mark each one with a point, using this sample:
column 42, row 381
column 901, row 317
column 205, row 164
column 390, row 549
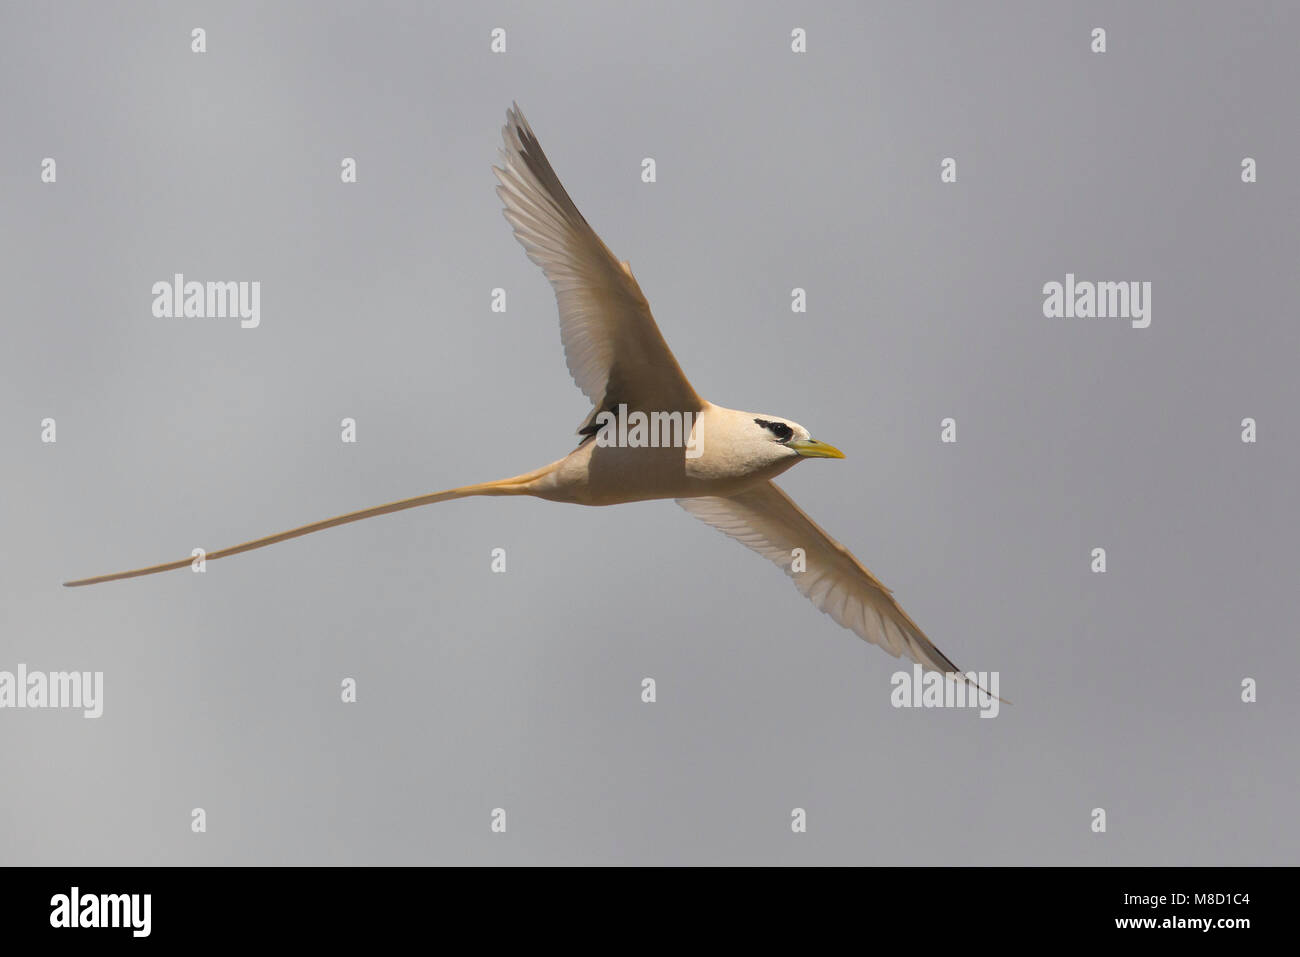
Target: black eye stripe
column 779, row 429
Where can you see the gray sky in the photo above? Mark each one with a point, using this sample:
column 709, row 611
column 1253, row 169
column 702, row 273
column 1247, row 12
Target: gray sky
column 479, row 690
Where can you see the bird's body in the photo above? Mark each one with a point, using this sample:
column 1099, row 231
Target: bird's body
column 717, row 462
column 595, row 474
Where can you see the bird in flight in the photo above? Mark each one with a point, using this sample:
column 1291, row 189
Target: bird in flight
column 721, row 472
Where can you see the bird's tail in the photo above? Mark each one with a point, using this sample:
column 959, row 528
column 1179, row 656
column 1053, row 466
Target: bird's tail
column 516, row 485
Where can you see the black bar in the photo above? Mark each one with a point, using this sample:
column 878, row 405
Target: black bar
column 333, row 906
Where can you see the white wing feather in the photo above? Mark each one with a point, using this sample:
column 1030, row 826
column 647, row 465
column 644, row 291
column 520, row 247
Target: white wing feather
column 768, row 521
column 614, row 349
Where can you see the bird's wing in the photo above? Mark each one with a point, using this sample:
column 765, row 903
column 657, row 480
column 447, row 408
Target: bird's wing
column 767, row 520
column 612, row 345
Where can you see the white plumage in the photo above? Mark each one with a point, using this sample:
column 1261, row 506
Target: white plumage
column 619, row 359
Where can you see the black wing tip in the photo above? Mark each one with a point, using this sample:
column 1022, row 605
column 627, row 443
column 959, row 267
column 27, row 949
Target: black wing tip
column 515, row 119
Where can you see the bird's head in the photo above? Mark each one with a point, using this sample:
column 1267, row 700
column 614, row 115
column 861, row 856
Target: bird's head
column 775, row 440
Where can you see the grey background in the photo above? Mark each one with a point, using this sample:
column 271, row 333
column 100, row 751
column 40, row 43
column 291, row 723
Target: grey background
column 521, row 690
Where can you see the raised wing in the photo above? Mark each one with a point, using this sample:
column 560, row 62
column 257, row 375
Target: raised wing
column 767, row 520
column 612, row 345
